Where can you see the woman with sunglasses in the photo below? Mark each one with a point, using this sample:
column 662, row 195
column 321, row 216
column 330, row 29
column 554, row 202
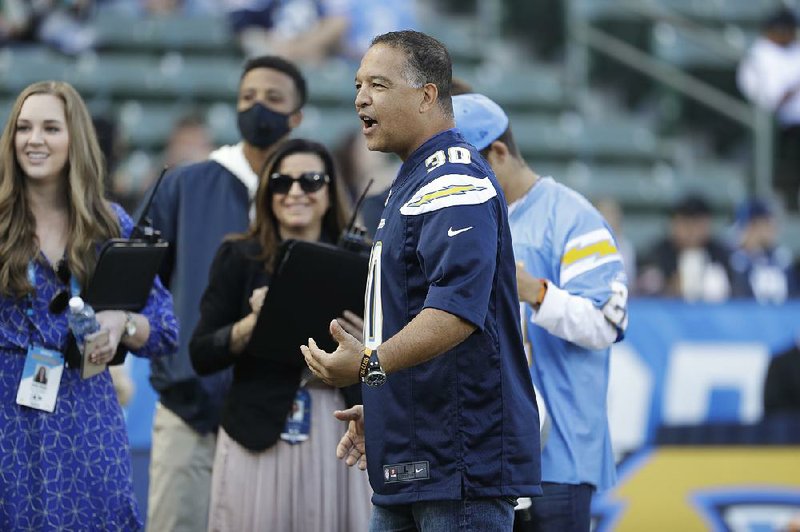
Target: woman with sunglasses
column 274, row 469
column 64, row 456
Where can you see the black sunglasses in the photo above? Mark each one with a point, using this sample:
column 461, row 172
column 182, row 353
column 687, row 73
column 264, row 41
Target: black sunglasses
column 309, row 182
column 60, row 301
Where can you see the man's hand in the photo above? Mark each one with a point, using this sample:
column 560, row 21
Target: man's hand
column 352, row 447
column 339, row 368
column 528, row 286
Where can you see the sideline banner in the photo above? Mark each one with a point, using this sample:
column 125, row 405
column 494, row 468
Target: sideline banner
column 684, row 364
column 704, row 488
column 679, row 363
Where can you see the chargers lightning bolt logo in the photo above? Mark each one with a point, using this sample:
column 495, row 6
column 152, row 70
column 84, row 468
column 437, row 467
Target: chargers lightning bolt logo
column 449, row 190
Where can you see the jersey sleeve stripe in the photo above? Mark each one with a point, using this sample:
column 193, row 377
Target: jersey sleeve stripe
column 582, row 266
column 601, row 249
column 447, row 191
column 598, row 235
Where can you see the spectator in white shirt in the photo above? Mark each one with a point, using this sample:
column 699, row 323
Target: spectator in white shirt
column 769, row 76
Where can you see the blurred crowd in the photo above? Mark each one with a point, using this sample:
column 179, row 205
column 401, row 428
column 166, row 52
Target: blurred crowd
column 703, row 255
column 696, row 262
column 305, row 31
column 698, row 258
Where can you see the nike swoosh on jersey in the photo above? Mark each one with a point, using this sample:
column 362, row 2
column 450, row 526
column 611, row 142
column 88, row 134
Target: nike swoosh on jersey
column 451, row 232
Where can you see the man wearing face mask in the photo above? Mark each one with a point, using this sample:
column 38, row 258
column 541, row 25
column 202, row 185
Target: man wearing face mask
column 194, row 208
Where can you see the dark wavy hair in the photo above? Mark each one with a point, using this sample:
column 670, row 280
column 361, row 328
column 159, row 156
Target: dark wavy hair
column 264, row 228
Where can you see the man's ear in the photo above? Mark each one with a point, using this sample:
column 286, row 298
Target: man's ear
column 430, row 97
column 295, row 118
column 497, row 153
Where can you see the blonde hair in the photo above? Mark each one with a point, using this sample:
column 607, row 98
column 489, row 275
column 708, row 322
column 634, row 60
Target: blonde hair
column 91, row 219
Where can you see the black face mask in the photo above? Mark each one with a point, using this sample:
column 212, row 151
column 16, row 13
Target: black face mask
column 261, row 126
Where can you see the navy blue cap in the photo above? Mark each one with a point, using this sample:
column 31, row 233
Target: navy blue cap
column 784, row 17
column 753, row 209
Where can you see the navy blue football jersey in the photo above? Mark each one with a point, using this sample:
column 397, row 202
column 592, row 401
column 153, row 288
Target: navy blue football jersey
column 464, row 424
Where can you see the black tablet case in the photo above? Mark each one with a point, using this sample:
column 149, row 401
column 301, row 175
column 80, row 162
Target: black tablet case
column 124, row 275
column 312, row 284
column 122, row 280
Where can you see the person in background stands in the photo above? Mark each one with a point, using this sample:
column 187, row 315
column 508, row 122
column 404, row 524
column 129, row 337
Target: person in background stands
column 760, row 267
column 769, row 76
column 690, row 262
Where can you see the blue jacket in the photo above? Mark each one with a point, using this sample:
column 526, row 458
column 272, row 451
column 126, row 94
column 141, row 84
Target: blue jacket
column 195, row 207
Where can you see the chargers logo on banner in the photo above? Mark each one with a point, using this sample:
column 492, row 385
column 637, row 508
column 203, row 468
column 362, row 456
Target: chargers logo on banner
column 704, row 488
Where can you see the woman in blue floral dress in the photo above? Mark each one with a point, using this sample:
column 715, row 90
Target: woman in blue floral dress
column 63, row 465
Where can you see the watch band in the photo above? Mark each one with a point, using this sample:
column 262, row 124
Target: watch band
column 362, row 370
column 130, row 325
column 375, row 374
column 542, row 291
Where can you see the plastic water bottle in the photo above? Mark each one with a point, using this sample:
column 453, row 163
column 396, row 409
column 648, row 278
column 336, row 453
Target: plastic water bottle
column 82, row 321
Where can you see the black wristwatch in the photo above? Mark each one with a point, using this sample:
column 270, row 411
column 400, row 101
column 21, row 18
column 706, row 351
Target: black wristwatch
column 371, row 372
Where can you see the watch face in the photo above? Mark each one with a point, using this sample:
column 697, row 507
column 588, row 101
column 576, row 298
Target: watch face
column 130, row 327
column 375, row 378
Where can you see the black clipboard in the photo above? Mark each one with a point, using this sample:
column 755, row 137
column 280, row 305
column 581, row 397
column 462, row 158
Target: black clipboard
column 312, row 284
column 124, row 274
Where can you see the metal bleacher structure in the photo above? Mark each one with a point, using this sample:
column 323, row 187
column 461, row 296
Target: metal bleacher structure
column 678, row 59
column 147, row 73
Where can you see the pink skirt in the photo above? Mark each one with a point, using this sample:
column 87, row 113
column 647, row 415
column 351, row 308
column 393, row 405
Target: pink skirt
column 291, row 488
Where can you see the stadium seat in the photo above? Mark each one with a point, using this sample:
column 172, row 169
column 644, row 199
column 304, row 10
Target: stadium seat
column 148, row 125
column 644, row 230
column 331, row 84
column 533, row 88
column 165, row 33
column 569, row 137
column 699, row 48
column 746, row 13
column 459, row 37
column 202, row 79
column 117, row 75
column 22, row 65
column 330, row 126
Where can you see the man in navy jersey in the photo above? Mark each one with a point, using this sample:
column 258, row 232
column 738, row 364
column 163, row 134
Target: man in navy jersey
column 449, row 422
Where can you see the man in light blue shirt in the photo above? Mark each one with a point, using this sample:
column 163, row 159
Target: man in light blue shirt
column 571, row 281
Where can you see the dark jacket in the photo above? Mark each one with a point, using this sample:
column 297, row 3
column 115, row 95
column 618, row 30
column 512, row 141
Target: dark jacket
column 195, row 207
column 782, row 385
column 254, row 411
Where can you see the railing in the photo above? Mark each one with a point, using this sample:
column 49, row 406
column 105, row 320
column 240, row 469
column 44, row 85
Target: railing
column 581, row 37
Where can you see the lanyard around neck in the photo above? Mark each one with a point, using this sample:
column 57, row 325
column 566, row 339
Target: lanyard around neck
column 74, row 287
